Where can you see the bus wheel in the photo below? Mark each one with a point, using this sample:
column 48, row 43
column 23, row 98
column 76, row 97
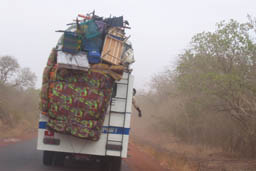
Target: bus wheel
column 112, row 164
column 48, row 157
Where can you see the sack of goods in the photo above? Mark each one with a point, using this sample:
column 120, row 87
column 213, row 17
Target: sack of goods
column 80, row 74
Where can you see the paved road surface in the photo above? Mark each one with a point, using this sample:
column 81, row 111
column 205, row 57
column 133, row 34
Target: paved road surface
column 23, row 156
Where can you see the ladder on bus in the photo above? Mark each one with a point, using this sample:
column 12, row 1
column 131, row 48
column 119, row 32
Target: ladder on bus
column 113, row 144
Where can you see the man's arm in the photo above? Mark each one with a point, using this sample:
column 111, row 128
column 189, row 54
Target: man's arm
column 136, row 107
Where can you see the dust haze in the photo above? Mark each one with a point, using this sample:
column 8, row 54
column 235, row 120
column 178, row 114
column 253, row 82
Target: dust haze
column 204, row 109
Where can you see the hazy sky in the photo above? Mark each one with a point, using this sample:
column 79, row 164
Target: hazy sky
column 160, row 29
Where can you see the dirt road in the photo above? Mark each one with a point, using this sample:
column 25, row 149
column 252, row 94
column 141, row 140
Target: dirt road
column 21, row 155
column 141, row 161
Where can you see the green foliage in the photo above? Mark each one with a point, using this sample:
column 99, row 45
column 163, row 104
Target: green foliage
column 19, row 100
column 211, row 96
column 18, row 105
column 219, row 71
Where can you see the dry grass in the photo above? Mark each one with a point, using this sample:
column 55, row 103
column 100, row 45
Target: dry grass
column 22, row 128
column 191, row 149
column 170, row 162
column 18, row 111
column 176, row 155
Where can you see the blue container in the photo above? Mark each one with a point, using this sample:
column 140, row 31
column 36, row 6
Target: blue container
column 94, row 57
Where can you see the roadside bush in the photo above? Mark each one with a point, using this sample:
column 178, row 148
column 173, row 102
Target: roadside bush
column 210, row 98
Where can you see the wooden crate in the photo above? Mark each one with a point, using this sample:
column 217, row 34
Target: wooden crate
column 112, row 50
column 117, row 32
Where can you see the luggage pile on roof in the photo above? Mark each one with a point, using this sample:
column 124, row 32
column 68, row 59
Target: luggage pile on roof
column 80, row 74
column 100, row 40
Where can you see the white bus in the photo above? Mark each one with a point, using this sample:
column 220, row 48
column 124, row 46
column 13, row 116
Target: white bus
column 112, row 146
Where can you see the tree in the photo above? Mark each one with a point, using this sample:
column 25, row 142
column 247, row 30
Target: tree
column 12, row 75
column 8, row 67
column 218, row 73
column 25, row 78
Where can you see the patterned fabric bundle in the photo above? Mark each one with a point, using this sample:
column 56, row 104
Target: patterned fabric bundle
column 75, row 101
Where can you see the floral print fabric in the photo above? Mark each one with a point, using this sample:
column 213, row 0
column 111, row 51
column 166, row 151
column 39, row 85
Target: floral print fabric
column 75, row 101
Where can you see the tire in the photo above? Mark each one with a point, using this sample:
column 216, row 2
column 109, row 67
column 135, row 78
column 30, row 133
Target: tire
column 112, row 164
column 58, row 158
column 116, row 163
column 48, row 158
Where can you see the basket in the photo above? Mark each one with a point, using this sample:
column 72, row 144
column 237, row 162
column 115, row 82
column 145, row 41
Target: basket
column 71, row 43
